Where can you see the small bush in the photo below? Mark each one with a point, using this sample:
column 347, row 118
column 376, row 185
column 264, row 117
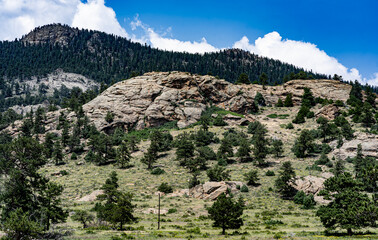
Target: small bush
column 63, row 172
column 172, row 210
column 157, row 171
column 272, row 115
column 165, row 188
column 73, row 156
column 244, row 188
column 314, row 167
column 290, row 126
column 270, row 173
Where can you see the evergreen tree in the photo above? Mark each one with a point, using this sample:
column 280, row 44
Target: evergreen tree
column 58, row 154
column 263, row 79
column 288, row 100
column 285, row 181
column 26, row 192
column 49, row 145
column 218, row 173
column 123, row 155
column 259, row 99
column 279, row 103
column 349, row 209
column 304, row 144
column 115, row 206
column 225, row 148
column 226, row 213
column 252, row 178
column 83, row 217
column 260, row 148
column 244, row 151
column 151, row 156
column 185, row 149
column 243, row 79
column 277, row 147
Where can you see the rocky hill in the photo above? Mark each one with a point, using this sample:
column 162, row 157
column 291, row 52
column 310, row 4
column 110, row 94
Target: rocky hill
column 159, row 97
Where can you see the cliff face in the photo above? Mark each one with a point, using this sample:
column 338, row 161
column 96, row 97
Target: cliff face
column 53, row 34
column 158, row 97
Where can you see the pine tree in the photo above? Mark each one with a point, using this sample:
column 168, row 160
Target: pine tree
column 226, row 213
column 151, row 156
column 83, row 217
column 260, row 148
column 304, row 144
column 243, row 79
column 252, row 178
column 279, row 103
column 58, row 154
column 26, row 192
column 349, row 209
column 244, row 150
column 185, row 149
column 123, row 156
column 288, row 100
column 218, row 173
column 285, row 181
column 277, row 147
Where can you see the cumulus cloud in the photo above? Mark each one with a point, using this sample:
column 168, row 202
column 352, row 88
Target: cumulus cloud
column 95, row 15
column 157, row 40
column 18, row 17
column 298, row 53
column 374, row 80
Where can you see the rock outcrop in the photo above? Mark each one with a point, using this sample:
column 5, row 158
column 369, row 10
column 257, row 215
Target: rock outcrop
column 369, row 145
column 330, row 112
column 212, row 190
column 312, row 185
column 159, row 97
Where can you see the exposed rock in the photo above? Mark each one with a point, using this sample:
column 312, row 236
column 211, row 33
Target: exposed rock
column 369, row 144
column 91, row 197
column 54, row 34
column 330, row 112
column 212, row 190
column 235, row 120
column 159, row 97
column 155, row 211
column 311, row 185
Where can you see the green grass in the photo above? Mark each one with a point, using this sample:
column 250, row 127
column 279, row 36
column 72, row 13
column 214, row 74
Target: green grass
column 266, row 215
column 280, row 116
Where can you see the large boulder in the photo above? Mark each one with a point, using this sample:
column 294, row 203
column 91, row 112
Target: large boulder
column 312, row 185
column 212, row 190
column 159, row 97
column 369, row 145
column 330, row 112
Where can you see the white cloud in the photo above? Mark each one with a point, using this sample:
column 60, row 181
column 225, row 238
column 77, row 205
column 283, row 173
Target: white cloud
column 302, row 54
column 170, row 44
column 19, row 17
column 374, row 80
column 95, row 15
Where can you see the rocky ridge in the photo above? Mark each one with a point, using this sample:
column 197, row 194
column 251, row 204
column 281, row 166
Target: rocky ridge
column 159, row 97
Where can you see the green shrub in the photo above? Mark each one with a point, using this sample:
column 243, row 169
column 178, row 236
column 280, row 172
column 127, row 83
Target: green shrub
column 310, row 114
column 157, row 171
column 63, row 172
column 299, row 196
column 218, row 173
column 290, row 126
column 218, row 121
column 273, row 115
column 165, row 188
column 73, row 156
column 270, row 173
column 314, row 167
column 244, row 188
column 172, row 210
column 309, row 202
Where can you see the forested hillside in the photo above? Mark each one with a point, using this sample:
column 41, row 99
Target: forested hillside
column 107, row 58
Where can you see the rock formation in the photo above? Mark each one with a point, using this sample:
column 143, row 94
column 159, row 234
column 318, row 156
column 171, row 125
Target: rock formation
column 212, row 190
column 369, row 145
column 159, row 97
column 330, row 112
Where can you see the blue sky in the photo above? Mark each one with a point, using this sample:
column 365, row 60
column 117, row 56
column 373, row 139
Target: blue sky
column 326, row 36
column 347, row 30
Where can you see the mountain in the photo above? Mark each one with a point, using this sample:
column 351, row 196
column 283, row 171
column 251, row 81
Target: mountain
column 105, row 58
